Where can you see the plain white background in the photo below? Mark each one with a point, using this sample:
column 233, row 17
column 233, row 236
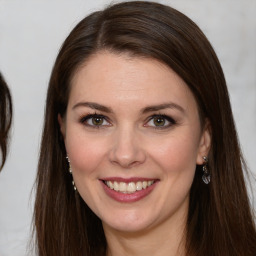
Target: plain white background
column 31, row 32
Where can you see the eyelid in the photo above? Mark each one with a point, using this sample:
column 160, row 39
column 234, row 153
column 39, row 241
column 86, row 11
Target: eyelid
column 169, row 119
column 84, row 120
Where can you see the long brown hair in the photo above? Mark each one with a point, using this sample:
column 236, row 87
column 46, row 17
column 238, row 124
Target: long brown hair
column 5, row 118
column 220, row 220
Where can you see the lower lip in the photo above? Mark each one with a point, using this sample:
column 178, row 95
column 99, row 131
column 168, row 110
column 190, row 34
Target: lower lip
column 128, row 198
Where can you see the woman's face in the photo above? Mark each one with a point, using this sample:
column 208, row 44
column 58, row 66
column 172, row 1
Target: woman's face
column 133, row 138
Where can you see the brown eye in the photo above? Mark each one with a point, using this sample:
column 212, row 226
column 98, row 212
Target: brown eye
column 159, row 121
column 97, row 121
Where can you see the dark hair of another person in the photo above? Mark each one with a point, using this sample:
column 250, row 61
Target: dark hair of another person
column 5, row 118
column 220, row 220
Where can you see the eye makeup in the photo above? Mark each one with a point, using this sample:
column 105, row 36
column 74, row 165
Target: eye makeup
column 160, row 121
column 156, row 121
column 95, row 120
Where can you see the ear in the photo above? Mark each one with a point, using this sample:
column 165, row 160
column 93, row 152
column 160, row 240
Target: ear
column 62, row 125
column 205, row 143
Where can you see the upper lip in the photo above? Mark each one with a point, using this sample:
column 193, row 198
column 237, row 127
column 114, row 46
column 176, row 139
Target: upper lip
column 127, row 180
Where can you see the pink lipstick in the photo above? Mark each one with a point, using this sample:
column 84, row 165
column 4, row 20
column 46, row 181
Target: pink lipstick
column 128, row 190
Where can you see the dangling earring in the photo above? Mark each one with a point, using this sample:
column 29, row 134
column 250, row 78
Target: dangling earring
column 206, row 176
column 70, row 171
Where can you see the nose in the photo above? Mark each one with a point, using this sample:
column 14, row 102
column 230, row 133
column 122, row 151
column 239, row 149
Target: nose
column 127, row 148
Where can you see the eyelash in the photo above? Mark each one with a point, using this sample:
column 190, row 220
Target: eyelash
column 164, row 117
column 84, row 120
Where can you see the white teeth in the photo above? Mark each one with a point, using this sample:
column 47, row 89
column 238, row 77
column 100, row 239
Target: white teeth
column 144, row 184
column 110, row 184
column 116, row 186
column 150, row 183
column 139, row 185
column 122, row 187
column 130, row 187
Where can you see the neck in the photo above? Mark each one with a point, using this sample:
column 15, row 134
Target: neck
column 167, row 239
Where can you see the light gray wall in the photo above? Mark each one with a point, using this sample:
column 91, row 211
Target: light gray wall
column 31, row 33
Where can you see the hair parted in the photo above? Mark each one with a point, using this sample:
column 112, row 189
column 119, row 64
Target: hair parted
column 220, row 220
column 5, row 118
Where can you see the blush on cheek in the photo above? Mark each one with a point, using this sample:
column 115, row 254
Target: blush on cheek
column 176, row 158
column 84, row 157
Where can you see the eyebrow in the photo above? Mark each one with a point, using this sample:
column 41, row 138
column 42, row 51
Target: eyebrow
column 93, row 105
column 163, row 106
column 145, row 110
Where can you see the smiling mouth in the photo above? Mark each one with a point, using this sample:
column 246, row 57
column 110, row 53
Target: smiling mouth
column 128, row 188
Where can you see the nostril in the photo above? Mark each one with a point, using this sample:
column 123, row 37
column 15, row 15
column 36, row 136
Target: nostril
column 125, row 163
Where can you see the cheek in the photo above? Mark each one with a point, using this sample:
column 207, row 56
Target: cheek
column 85, row 153
column 177, row 155
column 176, row 158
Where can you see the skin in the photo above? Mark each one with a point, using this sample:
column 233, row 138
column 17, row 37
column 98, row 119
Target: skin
column 129, row 143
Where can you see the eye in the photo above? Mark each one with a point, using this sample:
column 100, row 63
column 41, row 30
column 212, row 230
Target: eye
column 95, row 120
column 160, row 121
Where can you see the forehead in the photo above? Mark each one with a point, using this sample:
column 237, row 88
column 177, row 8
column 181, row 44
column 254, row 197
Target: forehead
column 119, row 78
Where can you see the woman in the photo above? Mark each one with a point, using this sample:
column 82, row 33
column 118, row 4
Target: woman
column 138, row 156
column 5, row 118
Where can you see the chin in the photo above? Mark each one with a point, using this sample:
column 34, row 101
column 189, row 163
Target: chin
column 129, row 223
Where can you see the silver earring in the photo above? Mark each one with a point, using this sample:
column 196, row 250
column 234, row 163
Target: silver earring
column 70, row 171
column 206, row 176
